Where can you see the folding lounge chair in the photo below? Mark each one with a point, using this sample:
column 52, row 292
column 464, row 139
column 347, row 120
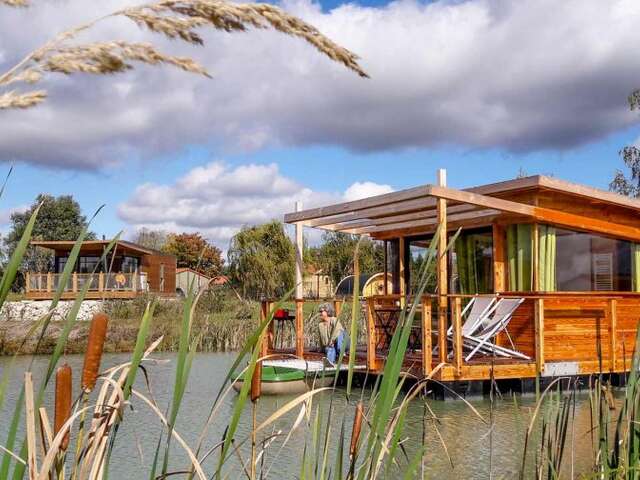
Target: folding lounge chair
column 481, row 341
column 476, row 311
column 479, row 308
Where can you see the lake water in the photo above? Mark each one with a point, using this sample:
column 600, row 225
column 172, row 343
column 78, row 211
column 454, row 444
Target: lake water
column 472, row 445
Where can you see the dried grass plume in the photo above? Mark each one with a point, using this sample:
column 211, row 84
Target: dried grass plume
column 174, row 19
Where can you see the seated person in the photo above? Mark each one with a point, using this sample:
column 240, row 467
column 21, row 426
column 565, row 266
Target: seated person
column 332, row 334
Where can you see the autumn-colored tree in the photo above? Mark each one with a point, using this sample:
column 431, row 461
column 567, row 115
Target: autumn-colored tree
column 192, row 250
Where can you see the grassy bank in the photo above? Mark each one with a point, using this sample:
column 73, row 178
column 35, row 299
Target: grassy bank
column 221, row 323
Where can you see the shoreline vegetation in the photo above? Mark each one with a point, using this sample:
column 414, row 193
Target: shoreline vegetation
column 221, row 323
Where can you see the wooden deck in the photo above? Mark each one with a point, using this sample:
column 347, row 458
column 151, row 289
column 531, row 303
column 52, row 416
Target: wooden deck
column 562, row 333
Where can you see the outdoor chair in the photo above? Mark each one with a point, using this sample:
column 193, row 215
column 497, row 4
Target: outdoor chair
column 476, row 311
column 492, row 326
column 475, row 314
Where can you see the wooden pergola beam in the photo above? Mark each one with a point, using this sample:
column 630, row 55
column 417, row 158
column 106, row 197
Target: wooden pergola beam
column 428, row 222
column 541, row 214
column 355, row 226
column 353, row 210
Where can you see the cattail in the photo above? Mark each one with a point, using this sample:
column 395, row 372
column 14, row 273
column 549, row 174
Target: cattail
column 355, row 432
column 63, row 402
column 95, row 344
column 256, row 382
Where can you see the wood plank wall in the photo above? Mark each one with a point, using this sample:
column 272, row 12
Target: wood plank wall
column 151, row 265
column 578, row 329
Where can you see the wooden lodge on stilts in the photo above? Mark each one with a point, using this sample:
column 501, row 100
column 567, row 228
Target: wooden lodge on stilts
column 568, row 254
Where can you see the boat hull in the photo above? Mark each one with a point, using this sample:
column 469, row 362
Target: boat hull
column 287, row 381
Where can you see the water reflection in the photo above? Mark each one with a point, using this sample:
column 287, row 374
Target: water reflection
column 459, row 443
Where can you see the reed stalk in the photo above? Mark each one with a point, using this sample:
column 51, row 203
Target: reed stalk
column 63, row 401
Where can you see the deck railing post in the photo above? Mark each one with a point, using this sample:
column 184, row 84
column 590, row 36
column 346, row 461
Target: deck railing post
column 538, row 313
column 134, row 282
column 49, row 281
column 371, row 335
column 27, row 287
column 299, row 328
column 100, row 281
column 264, row 347
column 426, row 336
column 613, row 332
column 75, row 282
column 456, row 309
column 337, row 306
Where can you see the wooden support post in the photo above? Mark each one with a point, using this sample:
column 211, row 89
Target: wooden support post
column 371, row 335
column 535, row 258
column 401, row 271
column 299, row 328
column 299, row 286
column 456, row 309
column 337, row 306
column 101, row 281
column 499, row 259
column 613, row 333
column 268, row 336
column 426, row 336
column 49, row 282
column 134, row 281
column 74, row 282
column 538, row 312
column 27, row 287
column 442, row 270
column 385, row 289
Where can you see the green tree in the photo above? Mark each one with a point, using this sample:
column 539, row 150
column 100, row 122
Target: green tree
column 60, row 218
column 262, row 261
column 630, row 185
column 192, row 250
column 621, row 183
column 335, row 255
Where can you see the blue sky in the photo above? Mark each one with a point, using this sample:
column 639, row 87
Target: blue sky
column 455, row 85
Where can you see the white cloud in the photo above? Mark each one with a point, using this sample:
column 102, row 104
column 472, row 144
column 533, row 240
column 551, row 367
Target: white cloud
column 365, row 189
column 513, row 74
column 218, row 200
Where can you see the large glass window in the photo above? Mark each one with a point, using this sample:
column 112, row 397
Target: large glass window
column 588, row 262
column 130, row 264
column 415, row 254
column 88, row 264
column 60, row 264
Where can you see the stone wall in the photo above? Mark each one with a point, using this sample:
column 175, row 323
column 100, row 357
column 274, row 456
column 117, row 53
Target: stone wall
column 32, row 310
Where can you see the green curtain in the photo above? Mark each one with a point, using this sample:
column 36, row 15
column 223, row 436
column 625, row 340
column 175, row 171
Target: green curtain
column 635, row 267
column 519, row 246
column 465, row 261
column 547, row 258
column 468, row 254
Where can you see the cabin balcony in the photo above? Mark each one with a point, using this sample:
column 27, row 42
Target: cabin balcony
column 43, row 286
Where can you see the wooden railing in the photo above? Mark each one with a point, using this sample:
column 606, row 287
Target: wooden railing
column 99, row 282
column 562, row 334
column 588, row 332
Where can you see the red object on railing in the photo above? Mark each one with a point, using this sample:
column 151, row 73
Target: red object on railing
column 281, row 313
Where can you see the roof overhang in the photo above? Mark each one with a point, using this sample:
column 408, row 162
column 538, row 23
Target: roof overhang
column 93, row 246
column 415, row 209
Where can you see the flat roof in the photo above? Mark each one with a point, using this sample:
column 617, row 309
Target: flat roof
column 93, row 245
column 417, row 208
